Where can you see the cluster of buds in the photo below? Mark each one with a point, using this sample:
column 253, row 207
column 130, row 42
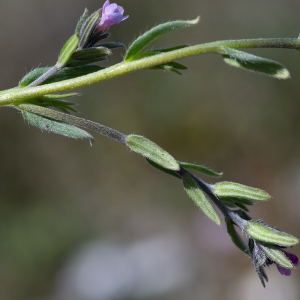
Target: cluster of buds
column 266, row 246
column 82, row 49
column 265, row 243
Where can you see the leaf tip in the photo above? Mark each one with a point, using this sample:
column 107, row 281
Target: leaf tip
column 283, row 74
column 195, row 21
column 91, row 141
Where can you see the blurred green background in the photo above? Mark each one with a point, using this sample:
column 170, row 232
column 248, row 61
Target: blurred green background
column 99, row 223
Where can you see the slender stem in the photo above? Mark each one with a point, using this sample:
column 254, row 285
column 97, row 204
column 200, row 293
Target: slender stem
column 50, row 113
column 44, row 77
column 124, row 68
column 233, row 216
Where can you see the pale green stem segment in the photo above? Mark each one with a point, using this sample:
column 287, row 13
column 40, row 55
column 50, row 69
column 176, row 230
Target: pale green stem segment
column 52, row 114
column 11, row 96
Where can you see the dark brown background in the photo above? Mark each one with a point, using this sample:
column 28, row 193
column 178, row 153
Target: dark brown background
column 58, row 194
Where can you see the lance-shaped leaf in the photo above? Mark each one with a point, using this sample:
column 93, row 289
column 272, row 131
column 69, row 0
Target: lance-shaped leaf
column 82, row 21
column 172, row 67
column 254, row 63
column 90, row 53
column 113, row 45
column 264, row 233
column 262, row 276
column 56, row 126
column 197, row 195
column 241, row 206
column 150, row 150
column 167, row 171
column 236, row 200
column 67, row 51
column 200, row 169
column 232, row 189
column 141, row 42
column 276, row 255
column 64, row 74
column 235, row 237
column 55, row 101
column 152, row 52
column 80, row 63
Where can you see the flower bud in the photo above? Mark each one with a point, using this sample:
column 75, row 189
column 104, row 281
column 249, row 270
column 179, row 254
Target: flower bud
column 111, row 14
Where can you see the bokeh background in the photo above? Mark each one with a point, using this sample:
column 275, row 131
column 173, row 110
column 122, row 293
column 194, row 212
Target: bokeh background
column 99, row 223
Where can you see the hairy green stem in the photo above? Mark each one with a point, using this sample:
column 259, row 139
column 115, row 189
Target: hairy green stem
column 12, row 96
column 52, row 114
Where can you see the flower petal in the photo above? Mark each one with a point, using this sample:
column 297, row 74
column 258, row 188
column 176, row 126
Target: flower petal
column 283, row 271
column 292, row 257
column 105, row 5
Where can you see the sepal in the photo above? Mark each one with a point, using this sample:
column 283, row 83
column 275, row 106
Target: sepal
column 88, row 28
column 82, row 21
column 67, row 51
column 236, row 190
column 267, row 234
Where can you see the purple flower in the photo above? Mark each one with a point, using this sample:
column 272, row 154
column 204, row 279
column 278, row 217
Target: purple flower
column 267, row 254
column 111, row 14
column 293, row 259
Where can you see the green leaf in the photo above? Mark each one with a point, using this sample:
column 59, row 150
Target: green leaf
column 52, row 101
column 141, row 42
column 150, row 150
column 113, row 45
column 196, row 194
column 171, row 66
column 56, row 126
column 264, row 233
column 242, row 206
column 64, row 74
column 169, row 172
column 276, row 255
column 262, row 275
column 254, row 63
column 67, row 51
column 171, row 69
column 200, row 169
column 236, row 200
column 232, row 189
column 162, row 50
column 152, row 52
column 235, row 237
column 80, row 63
column 90, row 53
column 82, row 21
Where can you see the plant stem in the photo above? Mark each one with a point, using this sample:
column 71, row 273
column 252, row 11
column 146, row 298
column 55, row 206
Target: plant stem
column 12, row 96
column 44, row 77
column 53, row 114
column 233, row 216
